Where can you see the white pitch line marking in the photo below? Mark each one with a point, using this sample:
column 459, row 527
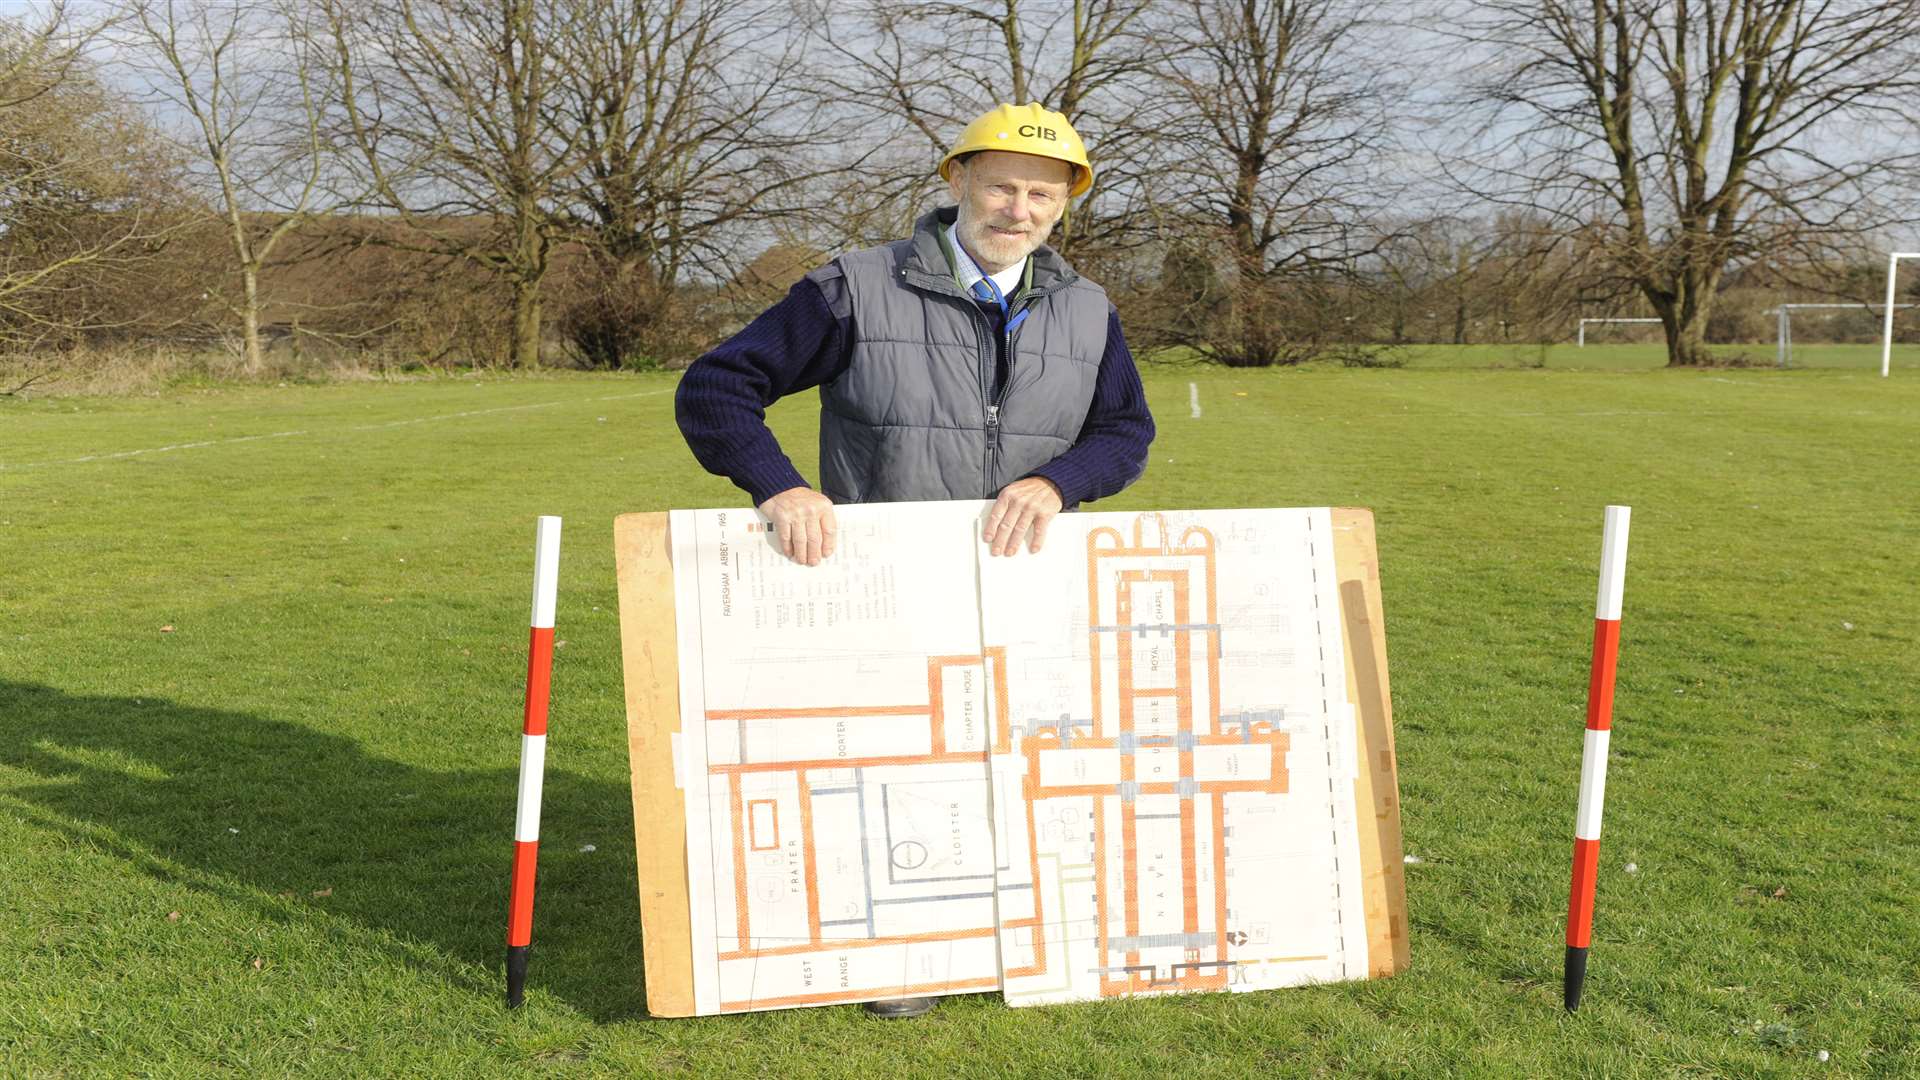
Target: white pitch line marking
column 501, row 409
column 357, row 427
column 1193, row 398
column 158, row 449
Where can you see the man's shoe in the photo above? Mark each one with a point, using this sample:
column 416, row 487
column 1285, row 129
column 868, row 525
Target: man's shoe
column 901, row 1008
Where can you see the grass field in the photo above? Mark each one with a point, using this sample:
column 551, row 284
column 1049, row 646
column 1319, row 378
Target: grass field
column 261, row 655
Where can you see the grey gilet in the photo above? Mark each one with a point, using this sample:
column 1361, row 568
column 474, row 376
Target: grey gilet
column 914, row 416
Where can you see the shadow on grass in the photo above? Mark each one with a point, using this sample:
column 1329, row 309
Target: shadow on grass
column 418, row 858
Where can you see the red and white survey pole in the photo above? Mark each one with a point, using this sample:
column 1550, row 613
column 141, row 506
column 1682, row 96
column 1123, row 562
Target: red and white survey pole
column 1593, row 763
column 533, row 757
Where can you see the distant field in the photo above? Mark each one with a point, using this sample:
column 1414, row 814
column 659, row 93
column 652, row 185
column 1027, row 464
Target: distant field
column 1614, row 356
column 1625, row 356
column 260, row 663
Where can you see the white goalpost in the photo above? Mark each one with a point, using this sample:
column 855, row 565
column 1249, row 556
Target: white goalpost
column 1886, row 331
column 1583, row 327
column 1783, row 315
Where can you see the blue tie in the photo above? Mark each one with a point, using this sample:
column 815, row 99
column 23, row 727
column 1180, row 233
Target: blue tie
column 986, row 290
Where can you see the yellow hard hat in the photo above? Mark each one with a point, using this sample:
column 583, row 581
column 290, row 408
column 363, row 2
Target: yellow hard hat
column 1025, row 129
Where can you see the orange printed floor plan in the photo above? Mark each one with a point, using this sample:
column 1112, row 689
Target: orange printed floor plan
column 1178, row 786
column 1112, row 768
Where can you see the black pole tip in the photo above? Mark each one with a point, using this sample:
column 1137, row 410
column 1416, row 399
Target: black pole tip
column 516, row 975
column 1576, row 978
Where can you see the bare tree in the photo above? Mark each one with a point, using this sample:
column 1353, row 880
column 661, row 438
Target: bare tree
column 248, row 83
column 1272, row 115
column 83, row 185
column 449, row 104
column 1695, row 135
column 698, row 133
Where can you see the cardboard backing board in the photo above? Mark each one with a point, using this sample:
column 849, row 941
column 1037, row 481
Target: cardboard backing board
column 650, row 664
column 1377, row 790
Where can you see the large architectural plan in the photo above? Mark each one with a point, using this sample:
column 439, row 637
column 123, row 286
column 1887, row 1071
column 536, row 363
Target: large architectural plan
column 1124, row 765
column 1176, row 800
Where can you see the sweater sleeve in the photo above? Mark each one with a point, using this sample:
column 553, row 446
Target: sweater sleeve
column 721, row 404
column 1111, row 451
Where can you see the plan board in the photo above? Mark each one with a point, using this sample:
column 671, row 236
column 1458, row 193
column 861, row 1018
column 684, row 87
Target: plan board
column 1155, row 757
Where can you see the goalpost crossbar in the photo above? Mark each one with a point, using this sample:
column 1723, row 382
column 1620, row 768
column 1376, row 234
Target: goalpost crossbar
column 1582, row 339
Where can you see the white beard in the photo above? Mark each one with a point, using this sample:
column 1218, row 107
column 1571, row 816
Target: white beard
column 998, row 248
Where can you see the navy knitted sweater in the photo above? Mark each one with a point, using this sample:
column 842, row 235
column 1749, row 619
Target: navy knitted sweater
column 799, row 343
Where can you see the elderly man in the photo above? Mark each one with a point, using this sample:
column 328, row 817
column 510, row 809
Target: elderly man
column 968, row 361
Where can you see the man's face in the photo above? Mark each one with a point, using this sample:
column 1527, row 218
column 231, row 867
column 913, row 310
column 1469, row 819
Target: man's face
column 1008, row 204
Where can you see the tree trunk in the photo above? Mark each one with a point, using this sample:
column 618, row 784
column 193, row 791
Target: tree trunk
column 1683, row 315
column 529, row 274
column 526, row 324
column 1461, row 265
column 250, row 319
column 1687, row 338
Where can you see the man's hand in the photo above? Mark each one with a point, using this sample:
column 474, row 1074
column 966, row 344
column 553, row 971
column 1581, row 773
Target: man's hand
column 1024, row 506
column 803, row 520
